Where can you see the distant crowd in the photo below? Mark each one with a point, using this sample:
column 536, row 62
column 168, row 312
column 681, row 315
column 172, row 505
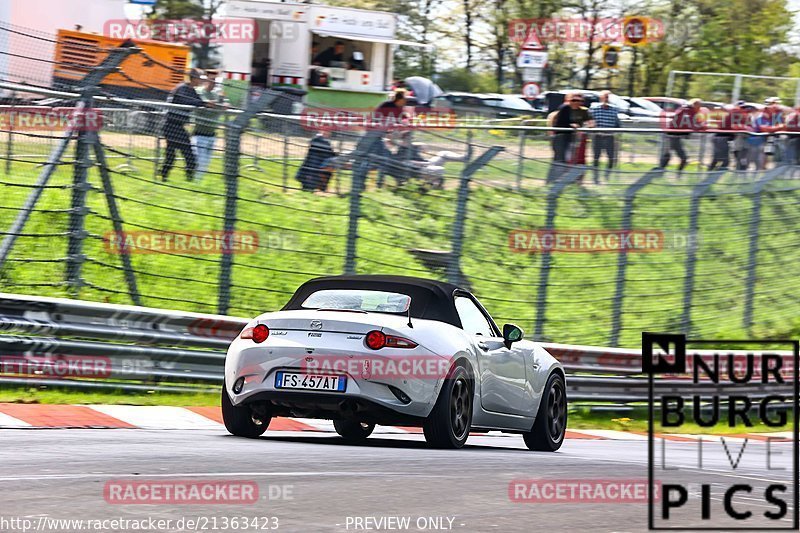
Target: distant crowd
column 747, row 132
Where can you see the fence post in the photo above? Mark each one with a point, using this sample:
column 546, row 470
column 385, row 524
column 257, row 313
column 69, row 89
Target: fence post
column 754, row 233
column 691, row 257
column 285, row 154
column 622, row 260
column 573, row 174
column 521, row 159
column 233, row 141
column 454, row 265
column 10, row 143
column 454, row 274
column 368, row 144
column 116, row 220
column 77, row 216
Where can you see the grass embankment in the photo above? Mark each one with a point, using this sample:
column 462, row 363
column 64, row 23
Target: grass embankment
column 303, row 235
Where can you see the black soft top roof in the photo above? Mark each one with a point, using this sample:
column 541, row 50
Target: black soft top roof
column 430, row 299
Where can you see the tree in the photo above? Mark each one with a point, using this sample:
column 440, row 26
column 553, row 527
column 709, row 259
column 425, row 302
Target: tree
column 203, row 49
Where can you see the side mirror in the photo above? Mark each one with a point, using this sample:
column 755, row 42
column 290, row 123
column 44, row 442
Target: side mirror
column 511, row 334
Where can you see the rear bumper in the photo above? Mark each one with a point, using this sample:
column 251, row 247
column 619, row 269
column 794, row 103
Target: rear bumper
column 367, row 387
column 331, row 406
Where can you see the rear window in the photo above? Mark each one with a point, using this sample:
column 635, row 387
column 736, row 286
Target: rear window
column 359, row 300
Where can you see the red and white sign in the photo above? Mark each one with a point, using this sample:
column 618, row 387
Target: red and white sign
column 531, row 90
column 532, row 41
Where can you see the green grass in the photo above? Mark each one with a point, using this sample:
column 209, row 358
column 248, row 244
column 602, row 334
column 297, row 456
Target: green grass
column 33, row 395
column 303, row 235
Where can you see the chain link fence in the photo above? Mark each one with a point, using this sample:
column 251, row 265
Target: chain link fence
column 571, row 256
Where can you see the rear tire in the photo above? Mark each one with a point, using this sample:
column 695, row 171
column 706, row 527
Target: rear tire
column 353, row 430
column 550, row 426
column 450, row 420
column 239, row 419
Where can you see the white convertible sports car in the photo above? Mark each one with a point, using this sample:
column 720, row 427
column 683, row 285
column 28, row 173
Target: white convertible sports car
column 391, row 350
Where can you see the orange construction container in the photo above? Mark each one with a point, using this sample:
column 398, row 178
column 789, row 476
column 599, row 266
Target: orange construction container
column 153, row 72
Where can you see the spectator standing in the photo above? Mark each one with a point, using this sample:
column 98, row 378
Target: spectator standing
column 793, row 141
column 740, row 120
column 604, row 115
column 205, row 126
column 722, row 138
column 572, row 115
column 688, row 118
column 757, row 140
column 317, row 167
column 385, row 117
column 774, row 118
column 175, row 125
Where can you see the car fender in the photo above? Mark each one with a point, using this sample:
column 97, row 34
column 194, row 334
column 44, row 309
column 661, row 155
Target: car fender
column 542, row 368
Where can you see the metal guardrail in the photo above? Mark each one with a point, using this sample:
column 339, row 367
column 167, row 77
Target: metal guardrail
column 141, row 349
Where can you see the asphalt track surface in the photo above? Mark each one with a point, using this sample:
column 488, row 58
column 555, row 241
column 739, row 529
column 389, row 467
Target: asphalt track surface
column 61, row 474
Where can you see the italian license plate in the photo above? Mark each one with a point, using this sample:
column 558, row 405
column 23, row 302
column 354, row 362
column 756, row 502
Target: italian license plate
column 294, row 380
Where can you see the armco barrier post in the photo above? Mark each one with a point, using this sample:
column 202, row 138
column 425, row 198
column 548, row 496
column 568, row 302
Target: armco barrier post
column 573, row 174
column 691, row 257
column 754, row 234
column 233, row 142
column 622, row 260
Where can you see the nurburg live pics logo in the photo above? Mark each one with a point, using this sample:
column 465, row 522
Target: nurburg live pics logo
column 741, row 481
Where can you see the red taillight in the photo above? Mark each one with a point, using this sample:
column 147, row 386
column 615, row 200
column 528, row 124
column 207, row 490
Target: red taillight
column 377, row 339
column 258, row 333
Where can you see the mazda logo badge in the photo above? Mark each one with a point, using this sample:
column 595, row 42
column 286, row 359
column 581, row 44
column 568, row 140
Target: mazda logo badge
column 316, row 324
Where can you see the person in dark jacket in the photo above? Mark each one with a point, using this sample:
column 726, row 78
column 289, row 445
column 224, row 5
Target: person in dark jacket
column 333, row 56
column 316, row 169
column 733, row 119
column 572, row 115
column 686, row 118
column 175, row 125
